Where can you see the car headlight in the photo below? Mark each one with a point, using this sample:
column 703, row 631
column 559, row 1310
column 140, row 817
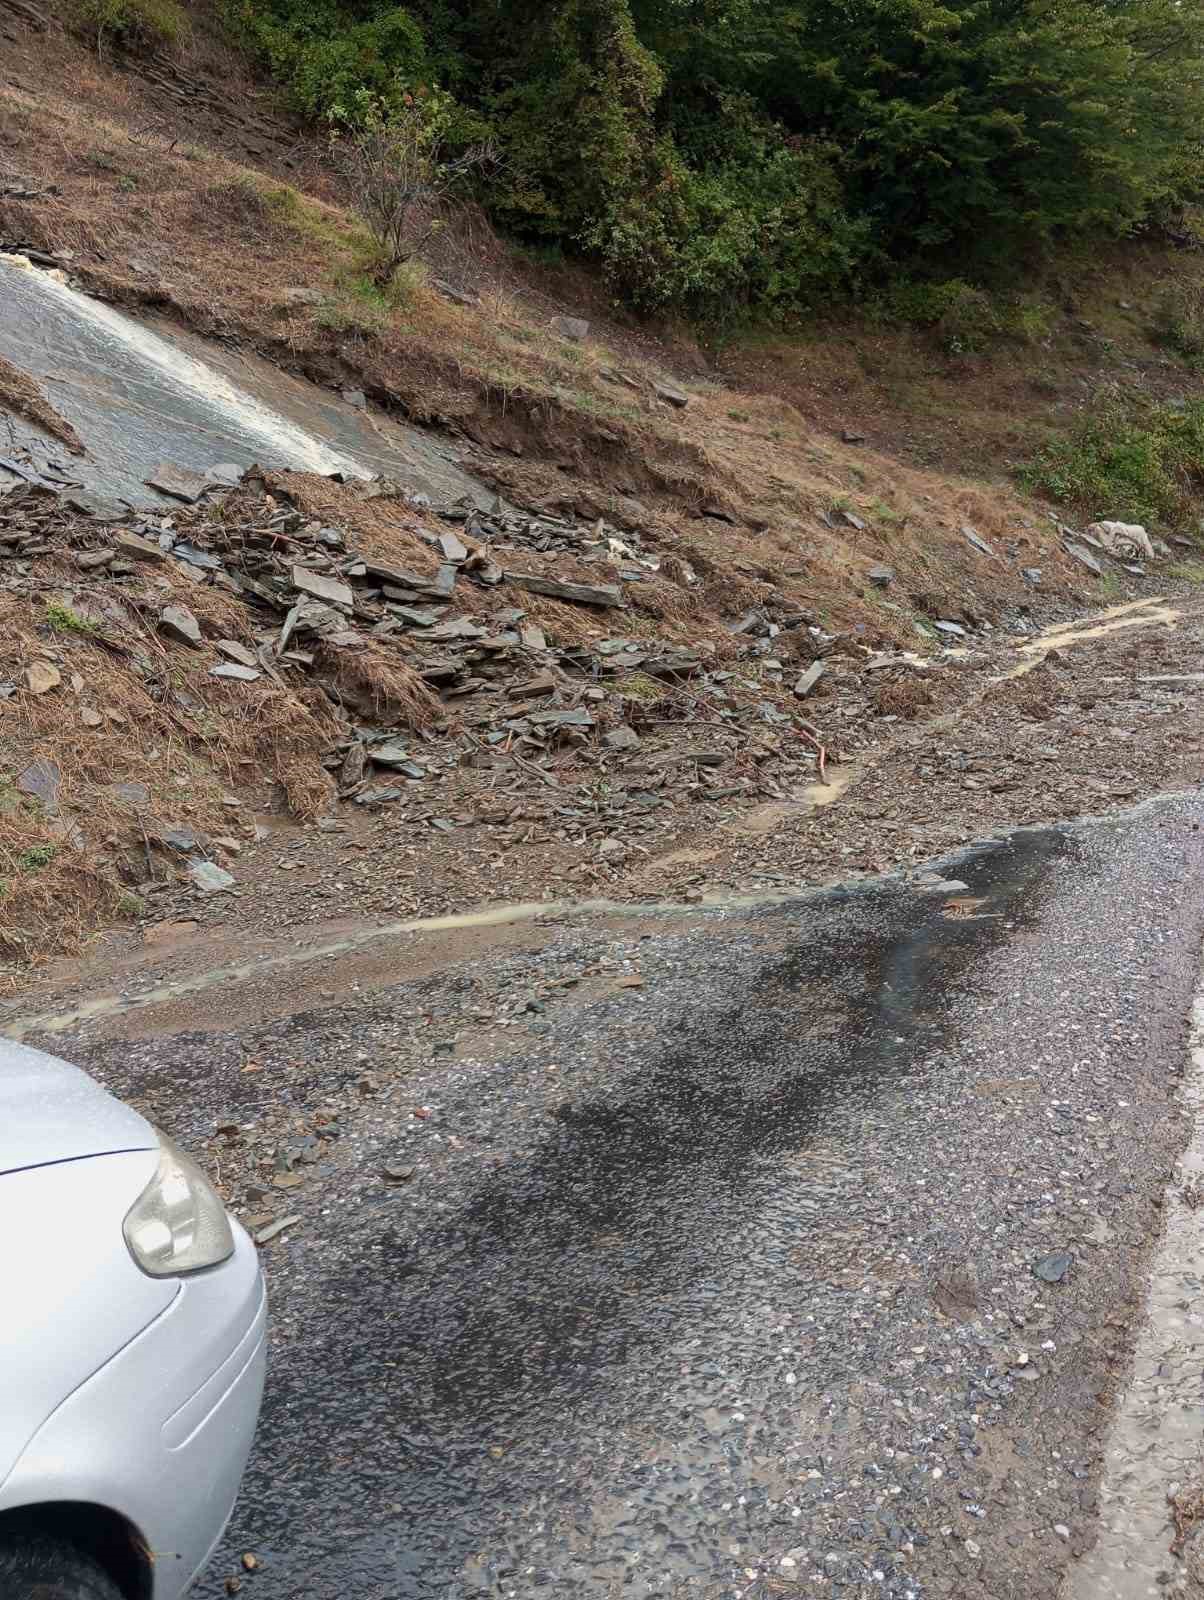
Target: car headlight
column 177, row 1224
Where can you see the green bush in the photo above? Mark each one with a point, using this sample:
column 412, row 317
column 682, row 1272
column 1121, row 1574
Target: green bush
column 720, row 159
column 1146, row 467
column 37, row 857
column 61, row 619
column 1179, row 319
column 326, row 52
column 133, row 25
column 964, row 317
column 772, row 236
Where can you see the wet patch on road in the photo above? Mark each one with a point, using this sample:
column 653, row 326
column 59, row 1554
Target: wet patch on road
column 724, row 1284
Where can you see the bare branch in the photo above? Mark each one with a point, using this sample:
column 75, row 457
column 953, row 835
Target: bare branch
column 400, row 178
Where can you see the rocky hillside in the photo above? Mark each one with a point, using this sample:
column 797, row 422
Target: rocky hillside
column 712, row 590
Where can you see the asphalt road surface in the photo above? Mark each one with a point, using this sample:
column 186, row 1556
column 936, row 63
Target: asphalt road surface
column 723, row 1265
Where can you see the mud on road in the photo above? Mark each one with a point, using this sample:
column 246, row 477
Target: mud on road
column 712, row 1258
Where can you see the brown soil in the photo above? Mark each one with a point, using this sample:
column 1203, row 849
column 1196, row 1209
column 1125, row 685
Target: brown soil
column 1108, row 734
column 20, row 395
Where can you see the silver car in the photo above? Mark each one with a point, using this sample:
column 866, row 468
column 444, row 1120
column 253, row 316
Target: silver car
column 132, row 1342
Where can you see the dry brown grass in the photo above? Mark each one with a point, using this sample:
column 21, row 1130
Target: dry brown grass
column 52, row 893
column 379, row 529
column 131, row 709
column 902, row 697
column 665, row 601
column 372, row 680
column 1033, row 695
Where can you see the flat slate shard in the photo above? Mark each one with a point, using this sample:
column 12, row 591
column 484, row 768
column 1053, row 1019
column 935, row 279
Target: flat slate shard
column 1085, row 558
column 236, row 652
column 323, row 588
column 588, row 594
column 377, row 797
column 809, row 679
column 394, row 575
column 671, row 395
column 41, row 779
column 181, row 483
column 183, row 551
column 132, row 544
column 177, row 622
column 98, row 506
column 457, row 628
column 232, row 669
column 562, row 719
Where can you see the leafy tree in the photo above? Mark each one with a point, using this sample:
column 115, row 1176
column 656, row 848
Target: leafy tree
column 718, row 155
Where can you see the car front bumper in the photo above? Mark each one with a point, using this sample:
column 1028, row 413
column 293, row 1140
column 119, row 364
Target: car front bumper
column 161, row 1433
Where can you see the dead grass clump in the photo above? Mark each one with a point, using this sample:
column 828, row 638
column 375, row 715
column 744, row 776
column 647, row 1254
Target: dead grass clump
column 1187, row 1512
column 375, row 683
column 25, row 221
column 220, row 615
column 235, row 200
column 673, row 569
column 902, row 697
column 1033, row 695
column 379, row 529
column 565, row 624
column 51, row 894
column 665, row 601
column 265, row 729
column 308, row 788
column 800, row 644
column 728, row 593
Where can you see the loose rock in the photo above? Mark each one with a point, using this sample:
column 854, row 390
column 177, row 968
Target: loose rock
column 41, row 677
column 209, row 878
column 236, row 652
column 136, row 547
column 573, row 328
column 177, row 622
column 589, row 594
column 232, row 669
column 181, row 483
column 1054, row 1268
column 323, row 588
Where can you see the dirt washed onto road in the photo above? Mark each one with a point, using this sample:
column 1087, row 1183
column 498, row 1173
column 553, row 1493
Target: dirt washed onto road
column 764, row 1254
column 1034, row 729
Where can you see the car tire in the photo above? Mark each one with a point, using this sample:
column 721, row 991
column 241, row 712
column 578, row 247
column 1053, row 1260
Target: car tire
column 45, row 1569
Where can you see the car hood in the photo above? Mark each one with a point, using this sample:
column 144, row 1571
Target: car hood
column 50, row 1111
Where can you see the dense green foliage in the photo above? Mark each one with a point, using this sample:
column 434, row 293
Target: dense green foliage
column 132, row 24
column 1138, row 467
column 716, row 154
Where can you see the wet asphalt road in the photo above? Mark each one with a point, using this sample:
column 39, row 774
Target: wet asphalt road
column 722, row 1285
